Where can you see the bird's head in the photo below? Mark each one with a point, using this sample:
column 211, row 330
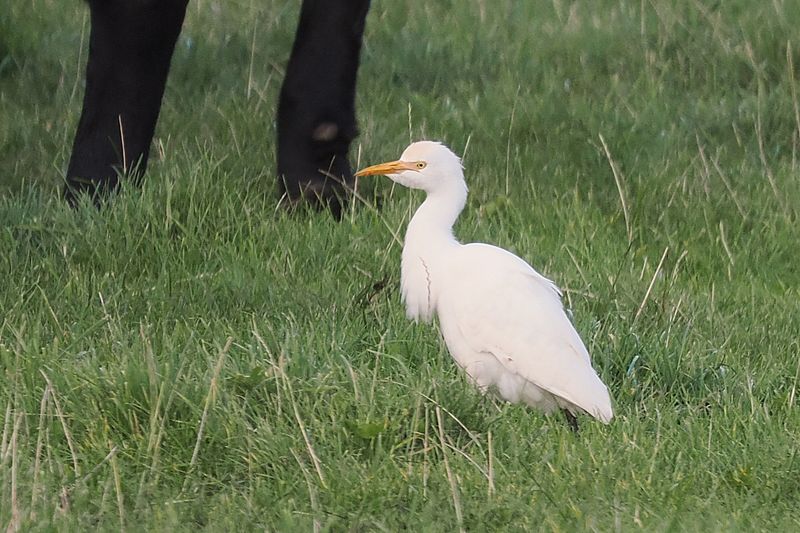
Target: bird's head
column 425, row 165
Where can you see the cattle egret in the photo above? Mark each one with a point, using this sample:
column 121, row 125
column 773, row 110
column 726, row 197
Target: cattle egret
column 502, row 321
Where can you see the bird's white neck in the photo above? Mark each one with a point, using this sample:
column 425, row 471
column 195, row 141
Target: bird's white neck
column 429, row 238
column 434, row 219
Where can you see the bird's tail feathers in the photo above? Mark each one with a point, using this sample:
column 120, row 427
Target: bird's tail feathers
column 592, row 398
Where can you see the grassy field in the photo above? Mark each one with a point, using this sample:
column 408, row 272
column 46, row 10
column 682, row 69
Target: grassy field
column 191, row 357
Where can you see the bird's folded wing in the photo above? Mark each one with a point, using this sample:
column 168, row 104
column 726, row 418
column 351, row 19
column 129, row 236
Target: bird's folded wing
column 516, row 314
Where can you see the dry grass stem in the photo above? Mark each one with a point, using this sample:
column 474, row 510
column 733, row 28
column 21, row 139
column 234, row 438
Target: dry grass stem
column 650, row 286
column 212, row 390
column 619, row 180
column 451, row 479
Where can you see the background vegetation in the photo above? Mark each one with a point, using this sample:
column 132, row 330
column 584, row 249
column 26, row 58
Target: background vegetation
column 192, row 357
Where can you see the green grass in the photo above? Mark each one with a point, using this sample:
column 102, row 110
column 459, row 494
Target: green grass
column 217, row 364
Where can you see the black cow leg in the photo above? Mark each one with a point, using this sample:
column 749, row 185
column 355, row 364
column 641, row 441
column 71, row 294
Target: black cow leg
column 316, row 111
column 130, row 47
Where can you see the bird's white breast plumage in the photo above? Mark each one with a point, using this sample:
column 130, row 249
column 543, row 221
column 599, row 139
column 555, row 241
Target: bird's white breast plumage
column 416, row 289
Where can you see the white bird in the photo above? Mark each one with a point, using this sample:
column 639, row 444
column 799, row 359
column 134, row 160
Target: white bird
column 502, row 321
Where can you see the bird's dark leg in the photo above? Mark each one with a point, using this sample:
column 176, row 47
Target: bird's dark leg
column 316, row 110
column 130, row 48
column 572, row 420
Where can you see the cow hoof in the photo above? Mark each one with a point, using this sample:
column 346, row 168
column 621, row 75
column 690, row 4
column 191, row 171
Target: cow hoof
column 319, row 195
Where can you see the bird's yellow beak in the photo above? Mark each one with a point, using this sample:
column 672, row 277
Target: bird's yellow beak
column 384, row 169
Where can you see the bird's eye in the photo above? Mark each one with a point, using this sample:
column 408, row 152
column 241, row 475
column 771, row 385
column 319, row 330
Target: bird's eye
column 421, row 164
